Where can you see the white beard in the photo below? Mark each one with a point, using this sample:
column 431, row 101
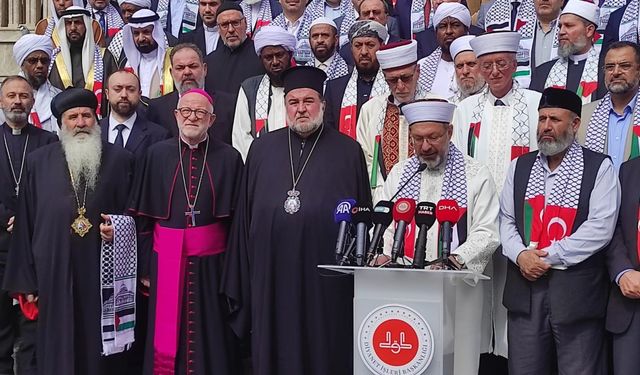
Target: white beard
column 83, row 153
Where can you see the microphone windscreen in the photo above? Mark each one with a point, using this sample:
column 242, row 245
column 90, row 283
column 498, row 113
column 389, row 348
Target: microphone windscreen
column 361, row 214
column 447, row 211
column 404, row 209
column 425, row 214
column 343, row 210
column 382, row 213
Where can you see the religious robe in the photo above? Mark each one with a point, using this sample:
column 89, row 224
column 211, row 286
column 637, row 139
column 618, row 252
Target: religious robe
column 228, row 68
column 62, row 268
column 437, row 76
column 300, row 318
column 189, row 284
column 153, row 84
column 491, row 143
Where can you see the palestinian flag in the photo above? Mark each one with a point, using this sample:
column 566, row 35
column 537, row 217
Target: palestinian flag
column 635, row 148
column 533, row 209
column 585, row 89
column 474, row 135
column 261, row 124
column 597, row 38
column 517, row 151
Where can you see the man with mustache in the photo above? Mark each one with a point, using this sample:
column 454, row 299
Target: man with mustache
column 546, row 33
column 32, row 54
column 612, row 122
column 558, row 210
column 145, row 52
column 323, row 39
column 468, row 77
column 189, row 70
column 260, row 107
column 283, row 229
column 46, row 25
column 296, row 21
column 207, row 34
column 577, row 67
column 437, row 71
column 259, row 13
column 107, row 16
column 20, row 139
column 63, row 272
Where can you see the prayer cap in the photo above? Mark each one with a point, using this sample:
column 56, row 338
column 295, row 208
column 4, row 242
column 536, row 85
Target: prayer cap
column 274, row 36
column 455, row 10
column 139, row 3
column 228, row 5
column 398, row 54
column 497, row 41
column 143, row 18
column 75, row 11
column 304, row 77
column 584, row 9
column 323, row 21
column 200, row 92
column 428, row 110
column 460, row 44
column 72, row 98
column 30, row 43
column 368, row 28
column 560, row 98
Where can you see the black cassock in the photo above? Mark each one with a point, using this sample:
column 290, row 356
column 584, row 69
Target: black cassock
column 300, row 317
column 47, row 258
column 207, row 345
column 227, row 69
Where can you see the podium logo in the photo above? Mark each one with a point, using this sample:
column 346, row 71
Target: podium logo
column 395, row 339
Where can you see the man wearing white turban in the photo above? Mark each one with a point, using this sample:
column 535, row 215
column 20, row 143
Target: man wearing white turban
column 32, row 54
column 129, row 7
column 260, row 107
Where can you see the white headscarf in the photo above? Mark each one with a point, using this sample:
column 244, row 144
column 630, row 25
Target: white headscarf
column 30, row 43
column 274, row 36
column 88, row 47
column 140, row 19
column 139, row 3
column 455, row 10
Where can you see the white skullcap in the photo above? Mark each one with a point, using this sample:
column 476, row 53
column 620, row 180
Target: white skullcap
column 139, row 3
column 323, row 21
column 499, row 41
column 30, row 43
column 460, row 44
column 585, row 9
column 274, row 36
column 395, row 55
column 455, row 10
column 428, row 110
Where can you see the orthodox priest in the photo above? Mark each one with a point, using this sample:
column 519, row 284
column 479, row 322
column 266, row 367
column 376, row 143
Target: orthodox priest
column 283, row 229
column 58, row 268
column 577, row 67
column 185, row 196
column 260, row 106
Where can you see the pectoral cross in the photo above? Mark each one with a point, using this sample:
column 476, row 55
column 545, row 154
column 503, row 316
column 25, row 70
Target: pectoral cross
column 193, row 214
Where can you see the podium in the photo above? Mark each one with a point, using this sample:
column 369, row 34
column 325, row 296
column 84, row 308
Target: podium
column 411, row 321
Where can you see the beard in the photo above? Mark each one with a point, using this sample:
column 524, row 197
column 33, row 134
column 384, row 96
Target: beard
column 307, row 128
column 187, row 85
column 16, row 116
column 83, row 152
column 551, row 148
column 435, row 163
column 36, row 81
column 569, row 49
column 469, row 89
column 147, row 48
column 622, row 87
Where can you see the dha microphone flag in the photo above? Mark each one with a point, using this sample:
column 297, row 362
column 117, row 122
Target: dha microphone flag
column 403, row 212
column 342, row 216
column 447, row 214
column 425, row 217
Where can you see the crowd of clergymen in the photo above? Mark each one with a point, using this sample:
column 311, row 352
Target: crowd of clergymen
column 170, row 171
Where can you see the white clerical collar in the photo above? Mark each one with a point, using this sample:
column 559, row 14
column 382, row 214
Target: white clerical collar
column 128, row 123
column 194, row 147
column 577, row 58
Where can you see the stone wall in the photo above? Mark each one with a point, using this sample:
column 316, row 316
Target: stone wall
column 14, row 16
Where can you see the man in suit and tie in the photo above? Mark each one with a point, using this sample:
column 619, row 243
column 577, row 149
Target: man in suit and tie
column 623, row 264
column 124, row 127
column 206, row 35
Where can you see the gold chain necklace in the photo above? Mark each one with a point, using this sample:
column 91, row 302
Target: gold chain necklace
column 292, row 203
column 81, row 225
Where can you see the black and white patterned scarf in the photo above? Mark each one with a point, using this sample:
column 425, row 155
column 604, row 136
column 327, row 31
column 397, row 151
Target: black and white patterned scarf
column 588, row 82
column 118, row 265
column 418, row 23
column 429, row 69
column 316, row 10
column 264, row 15
column 338, row 67
column 628, row 29
column 597, row 128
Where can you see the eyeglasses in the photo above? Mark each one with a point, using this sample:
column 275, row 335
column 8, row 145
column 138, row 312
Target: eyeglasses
column 419, row 141
column 501, row 65
column 394, row 80
column 186, row 112
column 34, row 60
column 624, row 67
column 234, row 23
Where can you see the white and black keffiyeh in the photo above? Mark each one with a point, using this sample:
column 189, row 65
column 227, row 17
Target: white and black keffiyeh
column 498, row 18
column 316, row 10
column 114, row 20
column 350, row 96
column 263, row 100
column 628, row 29
column 118, row 267
column 418, row 23
column 589, row 80
column 429, row 69
column 264, row 14
column 597, row 128
column 338, row 67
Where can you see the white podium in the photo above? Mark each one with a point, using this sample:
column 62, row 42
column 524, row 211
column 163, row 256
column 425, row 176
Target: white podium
column 409, row 321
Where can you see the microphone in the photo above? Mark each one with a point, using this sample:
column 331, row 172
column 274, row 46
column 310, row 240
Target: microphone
column 361, row 216
column 421, row 168
column 403, row 212
column 382, row 218
column 425, row 217
column 342, row 216
column 447, row 214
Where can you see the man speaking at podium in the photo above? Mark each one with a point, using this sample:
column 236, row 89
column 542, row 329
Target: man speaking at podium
column 449, row 175
column 558, row 211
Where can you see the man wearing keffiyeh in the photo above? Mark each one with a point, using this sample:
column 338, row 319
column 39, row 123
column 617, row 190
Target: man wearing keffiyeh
column 559, row 207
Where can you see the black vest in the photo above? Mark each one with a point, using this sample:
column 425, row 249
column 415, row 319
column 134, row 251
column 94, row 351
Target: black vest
column 579, row 292
column 250, row 87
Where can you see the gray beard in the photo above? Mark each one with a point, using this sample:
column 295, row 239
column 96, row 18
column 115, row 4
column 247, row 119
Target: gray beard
column 184, row 88
column 572, row 49
column 312, row 126
column 83, row 155
column 15, row 117
column 553, row 148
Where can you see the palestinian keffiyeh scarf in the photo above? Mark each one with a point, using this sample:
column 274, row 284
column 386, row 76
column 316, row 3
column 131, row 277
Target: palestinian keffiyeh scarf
column 429, row 69
column 588, row 82
column 596, row 136
column 316, row 10
column 303, row 48
column 421, row 15
column 117, row 45
column 114, row 20
column 338, row 67
column 520, row 125
column 628, row 29
column 189, row 14
column 118, row 264
column 263, row 104
column 264, row 15
column 349, row 106
column 547, row 221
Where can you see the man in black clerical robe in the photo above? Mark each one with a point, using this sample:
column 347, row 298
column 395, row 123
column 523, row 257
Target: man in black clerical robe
column 16, row 100
column 184, row 196
column 235, row 58
column 300, row 317
column 50, row 264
